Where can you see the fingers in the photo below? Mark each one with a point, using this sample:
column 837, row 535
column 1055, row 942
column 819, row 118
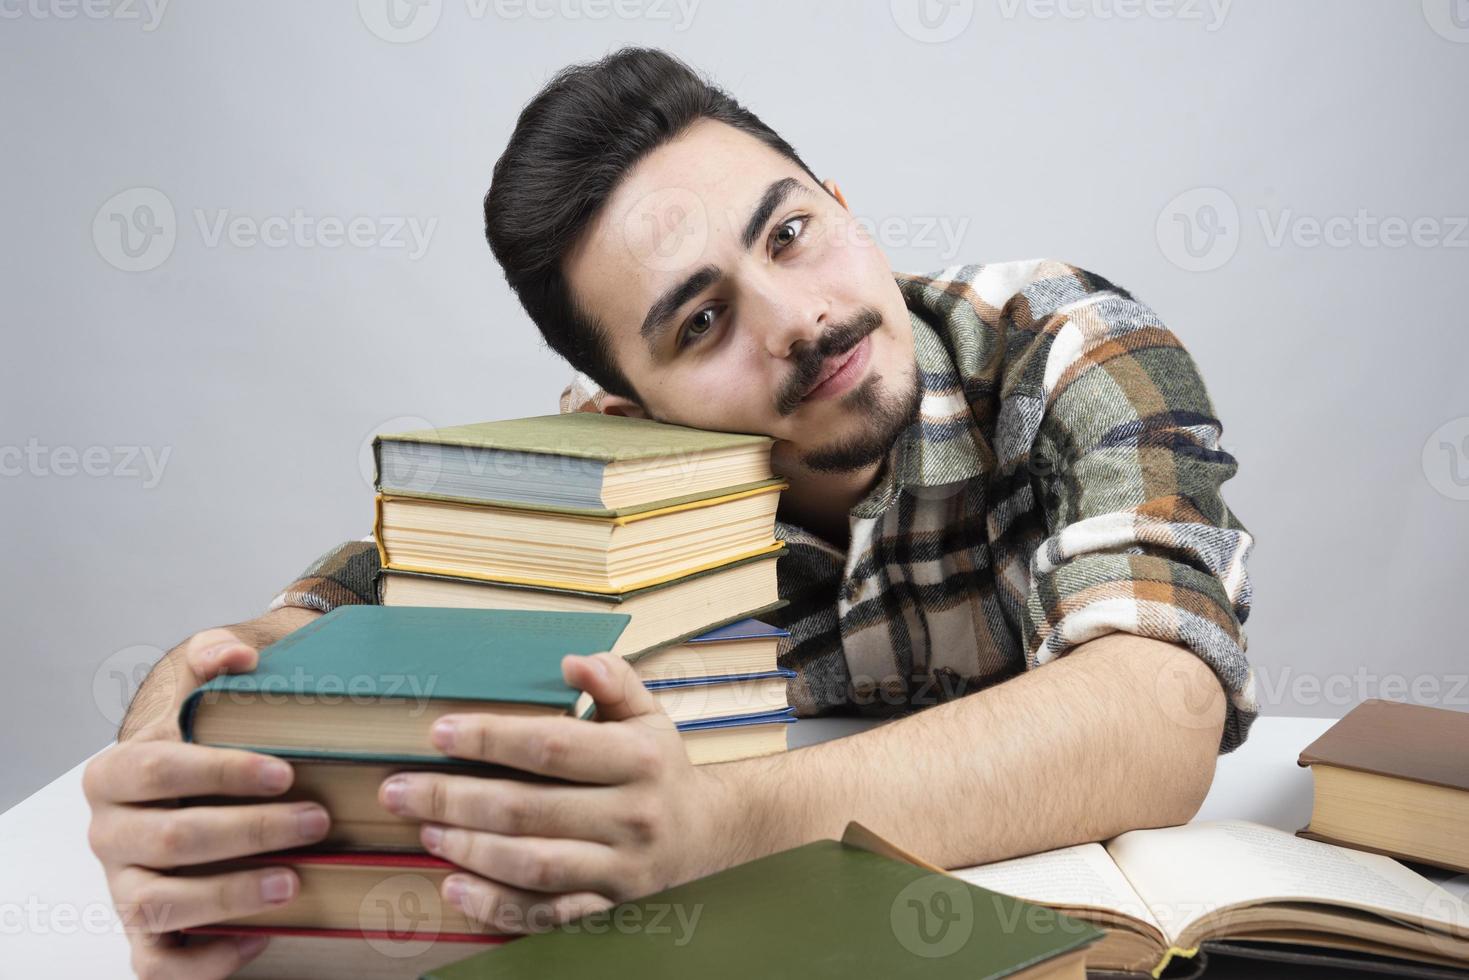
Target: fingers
column 155, row 837
column 160, row 959
column 218, row 651
column 514, row 910
column 612, row 683
column 539, row 864
column 566, row 748
column 502, row 806
column 148, row 902
column 147, row 771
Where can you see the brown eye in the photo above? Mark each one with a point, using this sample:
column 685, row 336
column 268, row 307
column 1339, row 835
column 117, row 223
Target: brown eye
column 698, row 325
column 782, row 239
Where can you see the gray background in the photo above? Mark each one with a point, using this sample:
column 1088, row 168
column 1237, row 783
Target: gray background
column 1031, row 131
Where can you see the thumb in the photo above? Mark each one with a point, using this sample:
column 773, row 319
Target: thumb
column 612, row 683
column 214, row 652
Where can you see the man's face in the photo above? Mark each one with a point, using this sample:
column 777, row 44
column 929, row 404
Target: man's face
column 740, row 296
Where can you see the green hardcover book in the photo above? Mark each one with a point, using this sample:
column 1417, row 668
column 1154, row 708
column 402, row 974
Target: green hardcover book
column 577, row 462
column 367, row 682
column 824, row 910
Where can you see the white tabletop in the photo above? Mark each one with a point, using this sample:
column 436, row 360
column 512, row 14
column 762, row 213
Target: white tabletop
column 56, row 916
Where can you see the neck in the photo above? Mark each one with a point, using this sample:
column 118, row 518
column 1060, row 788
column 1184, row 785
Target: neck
column 820, row 502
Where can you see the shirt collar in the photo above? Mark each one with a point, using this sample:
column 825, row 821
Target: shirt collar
column 943, row 444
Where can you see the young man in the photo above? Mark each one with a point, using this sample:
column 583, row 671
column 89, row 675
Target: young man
column 997, row 473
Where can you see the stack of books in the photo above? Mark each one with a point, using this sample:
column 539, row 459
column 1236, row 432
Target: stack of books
column 350, row 699
column 582, row 512
column 1394, row 778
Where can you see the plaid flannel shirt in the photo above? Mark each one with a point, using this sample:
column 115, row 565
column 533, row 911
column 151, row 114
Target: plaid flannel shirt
column 1062, row 482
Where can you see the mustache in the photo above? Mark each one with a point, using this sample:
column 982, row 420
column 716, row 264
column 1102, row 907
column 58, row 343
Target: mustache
column 809, row 362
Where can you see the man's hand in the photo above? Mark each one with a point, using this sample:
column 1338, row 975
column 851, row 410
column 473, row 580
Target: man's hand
column 641, row 818
column 137, row 835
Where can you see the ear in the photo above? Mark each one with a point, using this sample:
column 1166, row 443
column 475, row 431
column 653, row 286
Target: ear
column 618, row 405
column 835, row 191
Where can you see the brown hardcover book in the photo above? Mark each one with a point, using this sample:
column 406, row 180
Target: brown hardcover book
column 1394, row 778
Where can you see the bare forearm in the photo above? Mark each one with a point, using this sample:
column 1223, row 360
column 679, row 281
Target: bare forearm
column 169, row 682
column 1121, row 733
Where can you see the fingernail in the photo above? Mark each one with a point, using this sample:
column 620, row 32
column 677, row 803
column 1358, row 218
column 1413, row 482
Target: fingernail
column 393, row 793
column 433, row 837
column 277, row 887
column 598, row 667
column 454, row 891
column 275, row 775
column 311, row 822
column 443, row 734
column 250, row 945
column 214, row 653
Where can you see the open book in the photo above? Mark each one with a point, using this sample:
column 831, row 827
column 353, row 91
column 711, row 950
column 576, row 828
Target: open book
column 1161, row 893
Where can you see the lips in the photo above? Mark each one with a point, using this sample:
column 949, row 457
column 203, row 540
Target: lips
column 832, row 366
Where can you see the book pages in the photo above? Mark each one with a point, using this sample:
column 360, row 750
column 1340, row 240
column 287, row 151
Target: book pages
column 1083, row 876
column 1185, row 873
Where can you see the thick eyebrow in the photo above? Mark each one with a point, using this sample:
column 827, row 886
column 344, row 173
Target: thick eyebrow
column 661, row 313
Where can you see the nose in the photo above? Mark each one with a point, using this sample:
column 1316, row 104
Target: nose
column 789, row 322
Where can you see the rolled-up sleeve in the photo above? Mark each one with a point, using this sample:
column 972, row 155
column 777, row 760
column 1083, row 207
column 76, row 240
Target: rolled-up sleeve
column 1125, row 458
column 346, row 575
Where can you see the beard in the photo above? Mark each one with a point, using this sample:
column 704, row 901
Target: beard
column 884, row 416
